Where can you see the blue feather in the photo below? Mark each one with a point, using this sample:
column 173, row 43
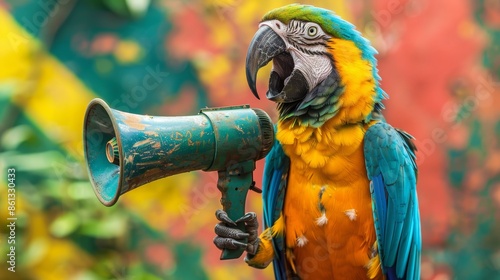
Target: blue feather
column 405, row 246
column 390, row 163
column 391, row 274
column 380, row 202
column 273, row 194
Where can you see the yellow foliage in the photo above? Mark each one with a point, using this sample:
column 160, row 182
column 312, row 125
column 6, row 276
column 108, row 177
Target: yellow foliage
column 162, row 201
column 58, row 101
column 58, row 259
column 127, row 52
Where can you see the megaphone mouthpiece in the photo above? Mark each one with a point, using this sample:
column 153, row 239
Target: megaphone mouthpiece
column 112, row 151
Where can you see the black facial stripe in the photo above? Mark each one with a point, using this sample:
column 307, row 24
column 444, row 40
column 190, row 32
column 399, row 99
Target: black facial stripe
column 295, row 27
column 298, row 39
column 307, row 51
column 308, row 43
column 300, row 47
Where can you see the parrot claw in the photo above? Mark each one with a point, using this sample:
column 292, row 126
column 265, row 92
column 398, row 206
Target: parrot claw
column 224, row 231
column 251, row 225
column 228, row 243
column 249, row 217
column 229, row 237
column 223, row 217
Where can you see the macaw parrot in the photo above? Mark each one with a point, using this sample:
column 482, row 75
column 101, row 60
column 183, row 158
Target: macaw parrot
column 339, row 188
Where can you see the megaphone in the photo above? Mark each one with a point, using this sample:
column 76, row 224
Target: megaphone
column 124, row 151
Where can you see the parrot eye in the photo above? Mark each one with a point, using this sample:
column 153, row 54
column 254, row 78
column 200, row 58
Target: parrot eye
column 312, row 31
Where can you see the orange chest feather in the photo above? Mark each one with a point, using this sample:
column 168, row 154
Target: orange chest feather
column 327, row 203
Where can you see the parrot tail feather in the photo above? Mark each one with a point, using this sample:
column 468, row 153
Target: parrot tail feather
column 279, row 226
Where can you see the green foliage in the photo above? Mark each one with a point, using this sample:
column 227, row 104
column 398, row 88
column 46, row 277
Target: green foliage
column 474, row 242
column 473, row 246
column 490, row 55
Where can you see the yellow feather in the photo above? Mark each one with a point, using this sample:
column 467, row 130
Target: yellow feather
column 374, row 267
column 326, row 148
column 304, row 135
column 349, row 136
column 265, row 253
column 314, row 158
column 298, row 130
column 301, row 148
column 279, row 226
column 318, row 134
column 286, row 136
column 357, row 78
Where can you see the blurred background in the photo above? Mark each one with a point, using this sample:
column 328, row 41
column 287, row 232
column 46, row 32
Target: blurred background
column 440, row 64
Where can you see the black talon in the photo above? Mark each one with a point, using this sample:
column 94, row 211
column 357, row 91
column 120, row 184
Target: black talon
column 228, row 243
column 223, row 217
column 250, row 216
column 224, row 231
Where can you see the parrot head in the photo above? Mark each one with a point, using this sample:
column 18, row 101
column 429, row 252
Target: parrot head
column 321, row 65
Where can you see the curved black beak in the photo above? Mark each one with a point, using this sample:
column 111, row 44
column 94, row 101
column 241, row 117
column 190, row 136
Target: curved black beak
column 265, row 45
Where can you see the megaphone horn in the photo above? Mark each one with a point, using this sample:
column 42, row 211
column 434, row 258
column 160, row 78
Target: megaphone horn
column 124, row 151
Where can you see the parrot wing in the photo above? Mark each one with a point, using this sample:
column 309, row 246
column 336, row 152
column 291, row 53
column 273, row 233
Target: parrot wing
column 390, row 162
column 273, row 192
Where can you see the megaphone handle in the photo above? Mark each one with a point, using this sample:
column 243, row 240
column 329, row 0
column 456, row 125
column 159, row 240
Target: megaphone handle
column 234, row 185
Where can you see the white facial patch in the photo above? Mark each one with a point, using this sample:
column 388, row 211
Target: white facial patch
column 314, row 67
column 277, row 26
